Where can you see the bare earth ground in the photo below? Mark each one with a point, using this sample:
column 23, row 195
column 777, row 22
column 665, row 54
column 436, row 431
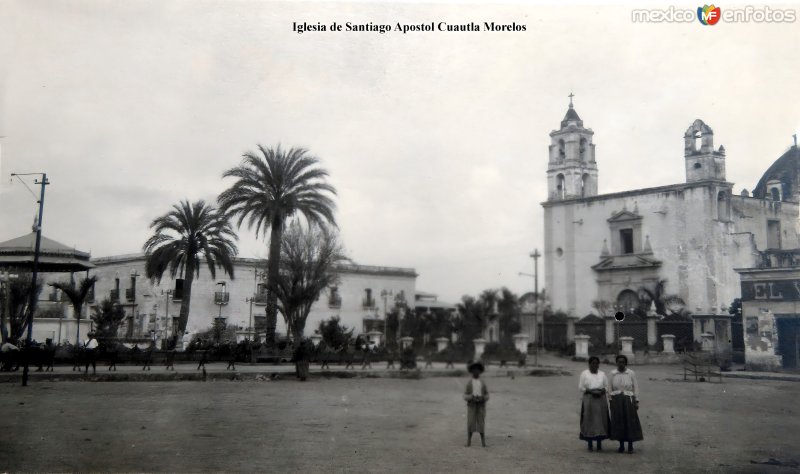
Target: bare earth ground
column 388, row 425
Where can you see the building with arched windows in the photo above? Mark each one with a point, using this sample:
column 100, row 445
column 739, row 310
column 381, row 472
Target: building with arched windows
column 686, row 237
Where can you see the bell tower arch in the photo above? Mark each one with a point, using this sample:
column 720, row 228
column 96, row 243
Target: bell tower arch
column 571, row 169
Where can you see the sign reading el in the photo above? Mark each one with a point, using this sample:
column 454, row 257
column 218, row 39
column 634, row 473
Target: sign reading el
column 778, row 290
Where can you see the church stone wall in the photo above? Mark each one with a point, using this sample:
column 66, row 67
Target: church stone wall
column 697, row 247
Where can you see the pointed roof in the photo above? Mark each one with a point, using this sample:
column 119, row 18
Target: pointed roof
column 571, row 116
column 53, row 256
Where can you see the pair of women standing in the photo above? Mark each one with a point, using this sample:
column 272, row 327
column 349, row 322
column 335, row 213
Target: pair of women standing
column 609, row 408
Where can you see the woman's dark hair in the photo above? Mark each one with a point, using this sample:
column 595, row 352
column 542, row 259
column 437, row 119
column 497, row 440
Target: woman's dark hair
column 594, row 358
column 621, row 357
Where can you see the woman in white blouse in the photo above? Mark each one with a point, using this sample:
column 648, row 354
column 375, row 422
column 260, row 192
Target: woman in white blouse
column 625, row 425
column 593, row 385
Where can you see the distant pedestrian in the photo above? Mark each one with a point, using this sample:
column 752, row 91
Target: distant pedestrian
column 390, row 356
column 429, row 360
column 476, row 395
column 350, row 356
column 203, row 359
column 366, row 361
column 90, row 353
column 232, row 351
column 593, row 385
column 169, row 360
column 148, row 356
column 625, row 424
column 450, row 359
column 325, row 353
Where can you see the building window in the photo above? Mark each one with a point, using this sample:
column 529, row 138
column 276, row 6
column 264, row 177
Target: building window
column 773, row 234
column 369, row 301
column 261, row 294
column 723, row 207
column 583, row 149
column 560, row 182
column 584, row 184
column 334, row 299
column 697, row 166
column 561, row 152
column 776, row 194
column 626, row 240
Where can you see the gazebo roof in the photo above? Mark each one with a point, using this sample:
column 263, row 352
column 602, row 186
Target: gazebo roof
column 53, row 256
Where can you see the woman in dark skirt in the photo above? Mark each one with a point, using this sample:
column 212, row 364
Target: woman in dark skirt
column 625, row 425
column 593, row 385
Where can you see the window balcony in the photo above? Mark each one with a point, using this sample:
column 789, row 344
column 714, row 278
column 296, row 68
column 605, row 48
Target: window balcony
column 368, row 303
column 177, row 294
column 90, row 296
column 113, row 295
column 221, row 297
column 130, row 294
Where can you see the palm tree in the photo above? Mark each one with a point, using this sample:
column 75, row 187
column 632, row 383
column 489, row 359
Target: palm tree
column 180, row 237
column 76, row 294
column 308, row 257
column 271, row 187
column 665, row 303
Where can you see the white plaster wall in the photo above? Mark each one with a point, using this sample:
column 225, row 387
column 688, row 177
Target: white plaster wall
column 698, row 251
column 203, row 310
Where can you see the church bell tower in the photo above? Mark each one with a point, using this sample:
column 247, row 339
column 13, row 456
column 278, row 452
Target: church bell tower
column 572, row 170
column 703, row 163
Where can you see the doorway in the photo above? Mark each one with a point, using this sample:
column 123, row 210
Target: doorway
column 789, row 341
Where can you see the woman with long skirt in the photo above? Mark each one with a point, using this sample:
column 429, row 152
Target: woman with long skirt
column 593, row 385
column 625, row 425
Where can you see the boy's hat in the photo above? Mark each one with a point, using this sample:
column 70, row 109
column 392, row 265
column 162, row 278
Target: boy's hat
column 475, row 365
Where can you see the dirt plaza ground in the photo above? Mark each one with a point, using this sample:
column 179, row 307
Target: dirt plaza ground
column 389, row 425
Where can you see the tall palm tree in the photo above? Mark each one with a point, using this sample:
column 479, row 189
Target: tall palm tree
column 271, row 187
column 180, row 237
column 76, row 294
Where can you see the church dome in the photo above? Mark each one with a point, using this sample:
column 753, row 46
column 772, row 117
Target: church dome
column 785, row 169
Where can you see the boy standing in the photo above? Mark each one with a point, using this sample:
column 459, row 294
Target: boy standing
column 476, row 395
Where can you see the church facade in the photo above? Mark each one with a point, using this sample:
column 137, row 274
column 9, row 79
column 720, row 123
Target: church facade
column 688, row 236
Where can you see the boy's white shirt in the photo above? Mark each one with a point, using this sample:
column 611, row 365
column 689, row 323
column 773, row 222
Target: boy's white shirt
column 477, row 387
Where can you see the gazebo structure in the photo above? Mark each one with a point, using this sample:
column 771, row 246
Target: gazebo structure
column 17, row 255
column 54, row 257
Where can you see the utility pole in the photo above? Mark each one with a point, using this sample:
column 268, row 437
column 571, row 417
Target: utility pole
column 385, row 294
column 535, row 256
column 34, row 275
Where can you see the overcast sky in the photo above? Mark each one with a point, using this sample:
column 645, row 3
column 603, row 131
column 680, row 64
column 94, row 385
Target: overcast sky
column 437, row 142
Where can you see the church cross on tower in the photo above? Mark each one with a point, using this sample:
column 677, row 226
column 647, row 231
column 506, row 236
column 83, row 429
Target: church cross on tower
column 571, row 95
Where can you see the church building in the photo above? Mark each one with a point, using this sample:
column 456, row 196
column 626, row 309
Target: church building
column 689, row 236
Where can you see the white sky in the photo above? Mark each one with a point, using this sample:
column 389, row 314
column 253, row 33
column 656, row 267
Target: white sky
column 437, row 142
